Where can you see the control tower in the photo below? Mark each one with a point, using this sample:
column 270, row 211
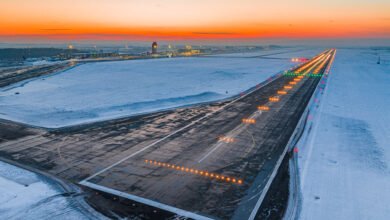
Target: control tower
column 154, row 48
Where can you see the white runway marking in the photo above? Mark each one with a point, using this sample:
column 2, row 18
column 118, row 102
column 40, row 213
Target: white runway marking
column 149, row 202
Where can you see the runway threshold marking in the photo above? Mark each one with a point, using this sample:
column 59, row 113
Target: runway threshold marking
column 180, row 129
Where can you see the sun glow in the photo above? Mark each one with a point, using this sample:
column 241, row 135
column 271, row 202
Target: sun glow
column 201, row 19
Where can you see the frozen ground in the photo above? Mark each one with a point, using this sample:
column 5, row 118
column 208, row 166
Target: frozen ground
column 106, row 90
column 24, row 195
column 345, row 160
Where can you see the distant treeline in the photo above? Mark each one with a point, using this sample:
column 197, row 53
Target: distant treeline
column 25, row 53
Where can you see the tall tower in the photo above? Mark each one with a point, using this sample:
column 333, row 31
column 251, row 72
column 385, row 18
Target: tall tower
column 154, row 48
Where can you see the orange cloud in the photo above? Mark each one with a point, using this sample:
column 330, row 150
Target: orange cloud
column 173, row 19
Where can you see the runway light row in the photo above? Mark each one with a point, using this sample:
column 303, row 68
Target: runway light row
column 308, row 64
column 196, row 172
column 282, row 92
column 317, row 70
column 248, row 121
column 300, row 74
column 226, row 139
column 298, row 78
column 311, row 63
column 263, row 108
column 274, row 99
column 295, row 60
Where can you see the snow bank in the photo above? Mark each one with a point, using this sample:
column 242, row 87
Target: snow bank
column 106, row 90
column 345, row 160
column 24, row 195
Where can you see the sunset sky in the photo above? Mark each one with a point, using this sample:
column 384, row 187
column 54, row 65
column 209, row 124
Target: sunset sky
column 193, row 19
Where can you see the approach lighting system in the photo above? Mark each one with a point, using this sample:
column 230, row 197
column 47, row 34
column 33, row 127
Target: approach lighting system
column 282, row 92
column 263, row 108
column 197, row 172
column 248, row 121
column 226, row 139
column 274, row 99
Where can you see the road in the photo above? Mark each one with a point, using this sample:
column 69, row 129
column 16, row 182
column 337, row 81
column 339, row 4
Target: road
column 208, row 161
column 23, row 73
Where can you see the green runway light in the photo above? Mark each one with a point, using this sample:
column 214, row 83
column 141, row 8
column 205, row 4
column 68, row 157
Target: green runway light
column 292, row 74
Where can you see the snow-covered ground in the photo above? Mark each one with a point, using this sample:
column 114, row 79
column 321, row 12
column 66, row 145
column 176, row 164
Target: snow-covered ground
column 106, row 90
column 344, row 162
column 25, row 195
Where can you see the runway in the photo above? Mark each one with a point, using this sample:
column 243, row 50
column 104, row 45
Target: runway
column 207, row 161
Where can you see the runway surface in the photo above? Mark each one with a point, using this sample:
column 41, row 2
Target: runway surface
column 207, row 161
